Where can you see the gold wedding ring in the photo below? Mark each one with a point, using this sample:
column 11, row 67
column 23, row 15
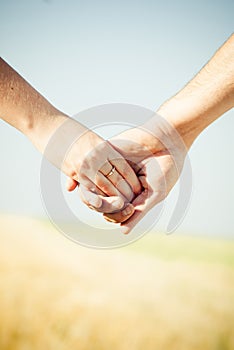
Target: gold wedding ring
column 111, row 172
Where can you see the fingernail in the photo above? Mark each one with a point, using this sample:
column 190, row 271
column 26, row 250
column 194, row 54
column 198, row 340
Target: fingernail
column 110, row 220
column 95, row 202
column 125, row 230
column 128, row 210
column 118, row 204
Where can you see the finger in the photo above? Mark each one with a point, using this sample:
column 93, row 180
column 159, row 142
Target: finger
column 111, row 173
column 86, row 183
column 107, row 187
column 142, row 204
column 89, row 198
column 71, row 184
column 139, row 204
column 120, row 216
column 100, row 203
column 127, row 173
column 100, row 156
column 124, row 215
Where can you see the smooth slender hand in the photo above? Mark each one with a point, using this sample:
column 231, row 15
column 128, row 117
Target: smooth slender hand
column 90, row 158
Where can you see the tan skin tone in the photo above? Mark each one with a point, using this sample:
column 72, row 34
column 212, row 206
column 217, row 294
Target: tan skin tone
column 89, row 159
column 203, row 100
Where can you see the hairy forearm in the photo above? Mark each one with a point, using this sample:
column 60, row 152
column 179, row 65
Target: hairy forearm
column 205, row 98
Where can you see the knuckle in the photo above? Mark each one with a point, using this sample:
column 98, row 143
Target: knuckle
column 137, row 188
column 108, row 189
column 160, row 195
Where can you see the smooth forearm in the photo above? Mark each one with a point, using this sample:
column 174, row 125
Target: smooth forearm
column 77, row 151
column 25, row 108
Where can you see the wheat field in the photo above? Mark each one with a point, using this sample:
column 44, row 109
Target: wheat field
column 160, row 293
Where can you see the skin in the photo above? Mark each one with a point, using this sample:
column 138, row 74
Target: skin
column 89, row 158
column 157, row 171
column 154, row 151
column 203, row 100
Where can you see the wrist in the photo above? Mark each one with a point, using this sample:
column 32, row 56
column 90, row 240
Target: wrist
column 69, row 141
column 188, row 114
column 85, row 142
column 176, row 113
column 44, row 126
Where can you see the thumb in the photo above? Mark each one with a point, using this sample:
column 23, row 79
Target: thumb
column 71, row 184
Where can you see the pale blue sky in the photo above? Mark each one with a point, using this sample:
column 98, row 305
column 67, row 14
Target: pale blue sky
column 84, row 53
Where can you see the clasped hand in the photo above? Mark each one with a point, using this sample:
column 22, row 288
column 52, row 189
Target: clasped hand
column 125, row 177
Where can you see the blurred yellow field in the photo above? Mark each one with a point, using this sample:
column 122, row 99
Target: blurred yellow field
column 160, row 293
